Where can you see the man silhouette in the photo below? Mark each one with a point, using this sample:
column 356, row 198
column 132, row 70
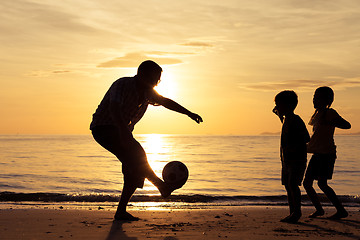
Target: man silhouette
column 122, row 107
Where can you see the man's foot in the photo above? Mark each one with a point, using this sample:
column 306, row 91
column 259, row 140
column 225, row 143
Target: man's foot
column 317, row 213
column 292, row 218
column 125, row 217
column 166, row 190
column 285, row 219
column 339, row 214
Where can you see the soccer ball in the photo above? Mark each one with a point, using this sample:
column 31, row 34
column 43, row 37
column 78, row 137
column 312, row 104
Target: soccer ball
column 175, row 173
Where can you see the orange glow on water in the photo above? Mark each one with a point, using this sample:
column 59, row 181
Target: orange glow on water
column 156, row 151
column 157, row 155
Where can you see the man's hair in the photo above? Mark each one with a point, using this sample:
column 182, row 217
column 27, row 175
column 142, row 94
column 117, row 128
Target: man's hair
column 148, row 67
column 327, row 94
column 287, row 97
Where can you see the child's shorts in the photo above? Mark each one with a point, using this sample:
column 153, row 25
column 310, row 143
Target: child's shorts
column 321, row 166
column 292, row 173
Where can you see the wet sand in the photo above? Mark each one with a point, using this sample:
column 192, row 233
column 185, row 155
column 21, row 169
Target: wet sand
column 169, row 224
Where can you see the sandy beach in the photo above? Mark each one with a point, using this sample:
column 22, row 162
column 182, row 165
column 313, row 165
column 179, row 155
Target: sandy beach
column 220, row 223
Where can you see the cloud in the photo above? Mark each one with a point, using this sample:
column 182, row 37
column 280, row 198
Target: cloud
column 197, row 44
column 37, row 74
column 162, row 53
column 131, row 60
column 303, row 85
column 44, row 73
column 29, row 18
column 61, row 71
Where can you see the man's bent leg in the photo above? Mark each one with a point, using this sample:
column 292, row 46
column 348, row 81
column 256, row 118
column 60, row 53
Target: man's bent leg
column 137, row 152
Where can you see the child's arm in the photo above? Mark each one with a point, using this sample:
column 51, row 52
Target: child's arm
column 333, row 118
column 339, row 122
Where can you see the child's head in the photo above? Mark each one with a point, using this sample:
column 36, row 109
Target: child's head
column 323, row 97
column 286, row 102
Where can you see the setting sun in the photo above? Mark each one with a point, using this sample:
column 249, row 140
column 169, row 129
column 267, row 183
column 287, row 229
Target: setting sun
column 167, row 86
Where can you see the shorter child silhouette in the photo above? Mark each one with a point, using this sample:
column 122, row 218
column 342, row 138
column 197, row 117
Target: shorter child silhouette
column 294, row 137
column 322, row 145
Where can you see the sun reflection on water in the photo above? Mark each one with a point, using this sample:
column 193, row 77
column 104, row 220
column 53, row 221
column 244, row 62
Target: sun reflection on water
column 154, row 206
column 157, row 153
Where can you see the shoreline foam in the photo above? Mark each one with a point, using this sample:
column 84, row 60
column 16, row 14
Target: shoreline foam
column 174, row 201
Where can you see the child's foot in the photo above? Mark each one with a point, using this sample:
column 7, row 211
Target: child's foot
column 339, row 214
column 317, row 213
column 292, row 218
column 125, row 217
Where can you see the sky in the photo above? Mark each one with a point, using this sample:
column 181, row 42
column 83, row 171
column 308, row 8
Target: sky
column 225, row 60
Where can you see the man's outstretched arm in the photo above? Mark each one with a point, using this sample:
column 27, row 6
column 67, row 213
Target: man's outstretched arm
column 174, row 106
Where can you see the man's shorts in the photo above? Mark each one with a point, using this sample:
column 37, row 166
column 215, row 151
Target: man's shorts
column 321, row 166
column 292, row 173
column 131, row 155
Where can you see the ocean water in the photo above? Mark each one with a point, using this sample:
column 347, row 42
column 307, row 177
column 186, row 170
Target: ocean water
column 233, row 170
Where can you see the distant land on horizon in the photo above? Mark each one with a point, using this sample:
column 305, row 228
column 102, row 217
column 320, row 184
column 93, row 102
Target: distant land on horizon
column 278, row 133
column 270, row 133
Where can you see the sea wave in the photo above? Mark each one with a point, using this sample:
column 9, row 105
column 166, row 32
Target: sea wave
column 348, row 200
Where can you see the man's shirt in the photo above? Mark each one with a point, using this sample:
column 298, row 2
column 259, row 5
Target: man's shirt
column 132, row 106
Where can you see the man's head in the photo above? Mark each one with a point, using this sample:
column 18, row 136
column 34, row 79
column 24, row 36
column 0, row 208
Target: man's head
column 149, row 72
column 286, row 102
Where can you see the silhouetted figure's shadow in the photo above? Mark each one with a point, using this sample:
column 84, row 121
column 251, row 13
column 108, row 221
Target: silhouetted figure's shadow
column 346, row 222
column 117, row 232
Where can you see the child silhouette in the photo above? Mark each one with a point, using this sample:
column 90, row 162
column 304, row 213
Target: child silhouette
column 322, row 145
column 294, row 137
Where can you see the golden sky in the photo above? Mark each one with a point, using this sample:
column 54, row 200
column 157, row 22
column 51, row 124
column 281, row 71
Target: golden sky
column 225, row 60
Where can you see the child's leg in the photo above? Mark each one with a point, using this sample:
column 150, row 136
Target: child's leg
column 308, row 185
column 331, row 195
column 297, row 198
column 290, row 199
column 294, row 199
